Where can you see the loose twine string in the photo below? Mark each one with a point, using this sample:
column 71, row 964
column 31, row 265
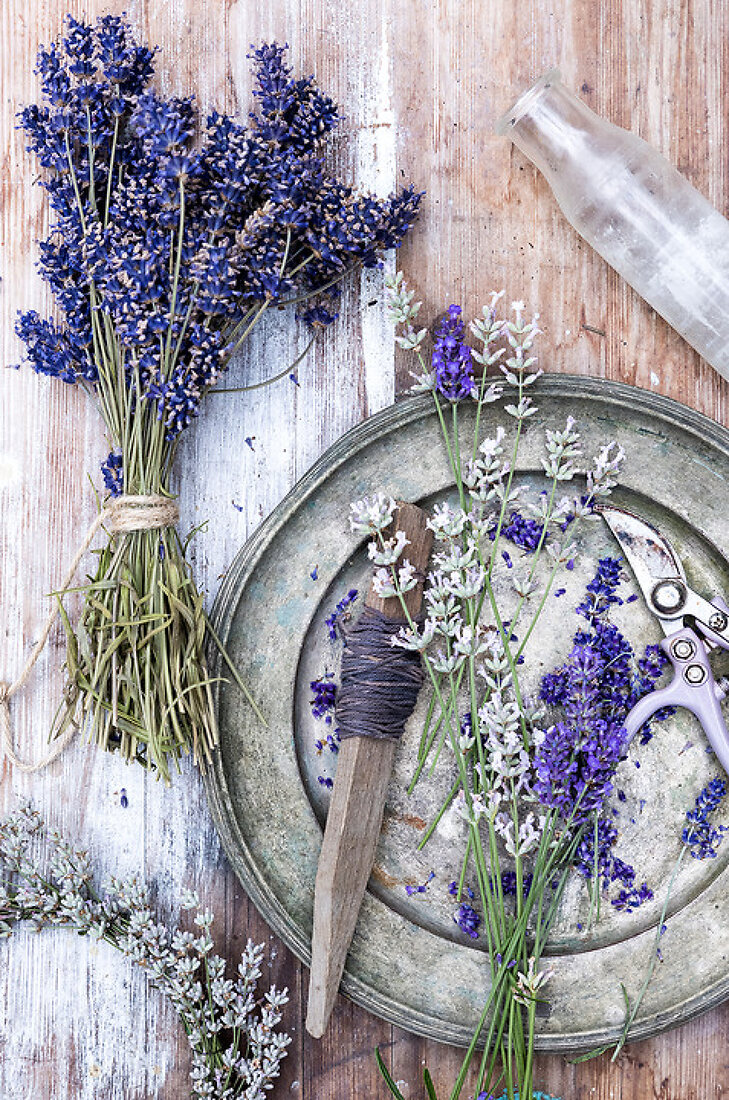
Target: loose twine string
column 379, row 682
column 124, row 514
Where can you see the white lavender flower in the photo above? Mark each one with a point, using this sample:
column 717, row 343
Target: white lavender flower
column 446, row 662
column 471, row 807
column 466, row 583
column 473, row 642
column 563, row 447
column 54, row 886
column 523, row 584
column 383, row 583
column 411, row 339
column 442, row 604
column 372, row 514
column 528, row 985
column 560, row 552
column 416, row 640
column 489, row 329
column 389, row 550
column 392, row 582
column 447, row 522
column 466, row 741
column 480, row 522
column 606, row 466
column 455, row 558
column 493, row 447
column 493, row 392
column 524, row 408
column 407, row 576
column 402, row 311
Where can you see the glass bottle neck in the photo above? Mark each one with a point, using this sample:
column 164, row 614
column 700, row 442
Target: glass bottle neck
column 548, row 123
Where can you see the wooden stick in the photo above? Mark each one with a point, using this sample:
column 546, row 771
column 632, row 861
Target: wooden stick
column 364, row 766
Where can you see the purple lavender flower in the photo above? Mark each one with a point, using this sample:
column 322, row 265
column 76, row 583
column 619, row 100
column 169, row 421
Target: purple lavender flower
column 452, row 362
column 631, row 897
column 600, row 593
column 421, row 887
column 334, row 621
column 702, row 839
column 468, row 920
column 509, row 883
column 595, row 689
column 111, row 468
column 170, row 241
column 453, row 890
column 324, row 696
column 523, row 532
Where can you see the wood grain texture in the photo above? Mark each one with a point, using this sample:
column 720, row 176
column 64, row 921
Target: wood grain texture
column 421, row 83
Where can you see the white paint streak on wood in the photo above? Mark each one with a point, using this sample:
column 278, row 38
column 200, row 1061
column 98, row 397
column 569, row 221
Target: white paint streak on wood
column 376, row 170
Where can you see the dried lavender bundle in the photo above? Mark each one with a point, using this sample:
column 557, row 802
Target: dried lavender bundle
column 171, row 239
column 233, row 1033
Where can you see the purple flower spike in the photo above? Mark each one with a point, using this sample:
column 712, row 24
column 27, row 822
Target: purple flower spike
column 452, row 361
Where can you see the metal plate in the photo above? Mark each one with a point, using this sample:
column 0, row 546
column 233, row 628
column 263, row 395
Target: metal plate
column 409, row 963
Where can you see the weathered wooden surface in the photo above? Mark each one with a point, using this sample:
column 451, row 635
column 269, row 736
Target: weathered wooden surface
column 420, row 85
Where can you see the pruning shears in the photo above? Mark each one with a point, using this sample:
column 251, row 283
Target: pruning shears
column 693, row 627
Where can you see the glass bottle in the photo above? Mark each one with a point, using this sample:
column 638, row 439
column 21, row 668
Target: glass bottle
column 634, row 208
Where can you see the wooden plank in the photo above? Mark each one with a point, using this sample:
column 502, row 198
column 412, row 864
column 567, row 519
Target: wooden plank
column 420, row 86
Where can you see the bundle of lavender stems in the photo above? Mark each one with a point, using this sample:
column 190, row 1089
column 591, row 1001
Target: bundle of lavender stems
column 171, row 239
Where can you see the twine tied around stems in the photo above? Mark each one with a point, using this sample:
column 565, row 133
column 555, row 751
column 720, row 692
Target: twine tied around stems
column 122, row 515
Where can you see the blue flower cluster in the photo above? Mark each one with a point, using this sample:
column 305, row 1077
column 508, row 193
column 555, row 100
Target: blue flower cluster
column 324, row 692
column 453, row 890
column 421, row 887
column 452, row 362
column 600, row 594
column 465, row 916
column 608, row 868
column 467, row 919
column 595, row 689
column 166, row 247
column 339, row 614
column 509, row 883
column 113, row 474
column 702, row 838
column 522, row 531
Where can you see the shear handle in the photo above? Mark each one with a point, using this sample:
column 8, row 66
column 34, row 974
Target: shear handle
column 693, row 687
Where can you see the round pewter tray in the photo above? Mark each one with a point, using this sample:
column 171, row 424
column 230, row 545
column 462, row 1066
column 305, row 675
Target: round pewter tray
column 409, row 963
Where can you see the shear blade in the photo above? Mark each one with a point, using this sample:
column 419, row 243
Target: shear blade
column 649, row 554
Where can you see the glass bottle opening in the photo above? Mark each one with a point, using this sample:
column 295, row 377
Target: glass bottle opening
column 511, row 117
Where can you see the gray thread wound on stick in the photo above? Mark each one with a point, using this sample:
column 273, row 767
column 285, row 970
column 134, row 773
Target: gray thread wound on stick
column 379, row 683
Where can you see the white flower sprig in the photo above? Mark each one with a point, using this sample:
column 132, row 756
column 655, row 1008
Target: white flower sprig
column 372, row 514
column 527, row 985
column 236, row 1047
column 402, row 310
